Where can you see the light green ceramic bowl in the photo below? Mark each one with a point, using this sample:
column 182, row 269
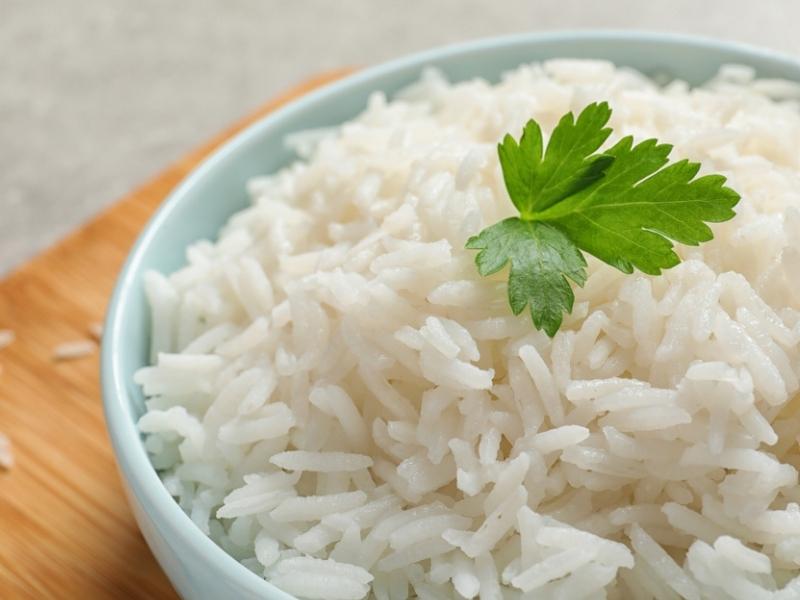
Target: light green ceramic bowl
column 201, row 204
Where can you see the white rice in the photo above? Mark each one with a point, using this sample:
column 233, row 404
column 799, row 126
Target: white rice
column 7, row 338
column 342, row 403
column 73, row 350
column 96, row 331
column 6, row 455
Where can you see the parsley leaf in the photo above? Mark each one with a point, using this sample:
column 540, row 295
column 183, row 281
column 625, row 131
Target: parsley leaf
column 625, row 206
column 628, row 217
column 536, row 182
column 541, row 257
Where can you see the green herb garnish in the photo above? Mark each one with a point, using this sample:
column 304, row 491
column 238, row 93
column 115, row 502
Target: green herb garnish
column 619, row 205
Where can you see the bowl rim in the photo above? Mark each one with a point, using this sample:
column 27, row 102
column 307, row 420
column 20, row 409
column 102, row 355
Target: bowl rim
column 137, row 472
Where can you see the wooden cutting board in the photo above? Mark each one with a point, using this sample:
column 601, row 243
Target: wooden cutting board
column 65, row 527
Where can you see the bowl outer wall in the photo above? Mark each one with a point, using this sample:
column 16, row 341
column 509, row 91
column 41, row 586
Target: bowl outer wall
column 201, row 204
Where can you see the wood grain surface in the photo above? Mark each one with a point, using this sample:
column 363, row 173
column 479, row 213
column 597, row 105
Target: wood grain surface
column 65, row 527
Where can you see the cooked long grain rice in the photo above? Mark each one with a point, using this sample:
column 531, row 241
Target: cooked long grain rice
column 342, row 403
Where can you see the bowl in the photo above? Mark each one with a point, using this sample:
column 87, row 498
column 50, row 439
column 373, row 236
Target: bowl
column 200, row 205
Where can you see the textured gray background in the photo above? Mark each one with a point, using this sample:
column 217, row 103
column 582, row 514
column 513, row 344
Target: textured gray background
column 97, row 95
